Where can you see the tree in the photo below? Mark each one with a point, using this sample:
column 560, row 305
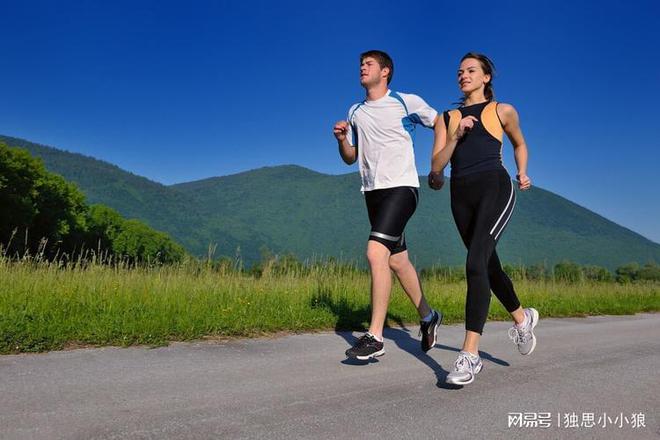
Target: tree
column 49, row 214
column 37, row 205
column 139, row 243
column 103, row 226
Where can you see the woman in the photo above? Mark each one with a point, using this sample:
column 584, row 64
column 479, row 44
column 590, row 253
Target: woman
column 482, row 201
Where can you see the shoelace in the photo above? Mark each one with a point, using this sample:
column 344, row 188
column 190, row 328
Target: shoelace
column 364, row 341
column 463, row 363
column 518, row 335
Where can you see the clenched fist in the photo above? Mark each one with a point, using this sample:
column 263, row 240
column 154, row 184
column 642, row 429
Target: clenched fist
column 436, row 180
column 341, row 130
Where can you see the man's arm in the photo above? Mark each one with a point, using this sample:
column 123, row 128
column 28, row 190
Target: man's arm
column 347, row 151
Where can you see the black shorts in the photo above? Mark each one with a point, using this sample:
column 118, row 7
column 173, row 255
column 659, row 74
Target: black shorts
column 389, row 211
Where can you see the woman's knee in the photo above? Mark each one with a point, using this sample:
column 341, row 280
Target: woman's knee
column 476, row 266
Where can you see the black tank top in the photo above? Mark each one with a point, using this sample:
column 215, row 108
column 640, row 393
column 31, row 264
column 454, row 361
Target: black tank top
column 480, row 149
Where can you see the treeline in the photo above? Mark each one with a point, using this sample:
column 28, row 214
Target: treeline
column 566, row 271
column 44, row 216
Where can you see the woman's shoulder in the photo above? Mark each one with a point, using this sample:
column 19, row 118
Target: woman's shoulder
column 506, row 111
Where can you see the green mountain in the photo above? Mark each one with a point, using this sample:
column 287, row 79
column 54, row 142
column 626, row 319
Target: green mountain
column 293, row 209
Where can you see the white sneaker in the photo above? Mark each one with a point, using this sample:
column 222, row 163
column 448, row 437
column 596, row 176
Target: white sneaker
column 524, row 337
column 466, row 367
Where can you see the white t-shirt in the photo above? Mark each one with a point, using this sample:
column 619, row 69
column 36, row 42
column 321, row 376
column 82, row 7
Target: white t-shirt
column 383, row 132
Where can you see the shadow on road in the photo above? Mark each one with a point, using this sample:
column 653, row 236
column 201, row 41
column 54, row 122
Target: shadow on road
column 351, row 319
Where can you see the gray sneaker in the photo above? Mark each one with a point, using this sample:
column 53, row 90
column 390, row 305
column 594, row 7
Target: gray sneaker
column 465, row 369
column 524, row 337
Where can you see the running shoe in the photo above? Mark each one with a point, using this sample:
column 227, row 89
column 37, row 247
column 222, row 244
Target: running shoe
column 365, row 348
column 466, row 367
column 524, row 337
column 429, row 331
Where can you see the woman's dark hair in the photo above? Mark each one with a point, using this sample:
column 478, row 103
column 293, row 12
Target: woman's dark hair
column 489, row 69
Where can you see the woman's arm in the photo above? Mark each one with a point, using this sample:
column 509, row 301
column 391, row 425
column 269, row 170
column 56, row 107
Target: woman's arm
column 511, row 124
column 444, row 144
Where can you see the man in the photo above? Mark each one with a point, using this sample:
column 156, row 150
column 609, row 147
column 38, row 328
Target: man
column 379, row 135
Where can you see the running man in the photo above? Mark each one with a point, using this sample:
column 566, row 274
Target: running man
column 379, row 135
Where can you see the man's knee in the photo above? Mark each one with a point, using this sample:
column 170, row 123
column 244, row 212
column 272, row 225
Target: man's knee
column 399, row 261
column 377, row 253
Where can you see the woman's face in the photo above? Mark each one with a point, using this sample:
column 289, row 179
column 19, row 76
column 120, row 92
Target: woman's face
column 471, row 76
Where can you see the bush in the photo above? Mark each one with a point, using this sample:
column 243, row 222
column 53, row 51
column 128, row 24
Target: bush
column 567, row 271
column 650, row 272
column 627, row 273
column 536, row 272
column 597, row 273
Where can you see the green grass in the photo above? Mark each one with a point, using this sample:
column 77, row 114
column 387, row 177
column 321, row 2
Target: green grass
column 46, row 307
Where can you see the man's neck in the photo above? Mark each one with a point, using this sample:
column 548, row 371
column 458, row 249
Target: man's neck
column 376, row 92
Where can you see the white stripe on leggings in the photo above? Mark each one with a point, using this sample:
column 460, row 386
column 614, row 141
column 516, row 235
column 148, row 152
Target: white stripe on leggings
column 503, row 212
column 508, row 217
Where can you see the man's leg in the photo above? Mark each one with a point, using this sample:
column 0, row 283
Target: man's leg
column 389, row 210
column 430, row 319
column 407, row 275
column 381, row 286
column 370, row 344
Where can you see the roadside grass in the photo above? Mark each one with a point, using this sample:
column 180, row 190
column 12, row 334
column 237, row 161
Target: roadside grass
column 49, row 306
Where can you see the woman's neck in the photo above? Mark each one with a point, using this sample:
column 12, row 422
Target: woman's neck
column 475, row 97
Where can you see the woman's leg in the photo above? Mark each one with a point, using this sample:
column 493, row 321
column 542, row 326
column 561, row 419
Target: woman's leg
column 493, row 200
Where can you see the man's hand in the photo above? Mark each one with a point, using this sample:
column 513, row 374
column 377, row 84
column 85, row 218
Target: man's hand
column 436, row 180
column 524, row 182
column 341, row 130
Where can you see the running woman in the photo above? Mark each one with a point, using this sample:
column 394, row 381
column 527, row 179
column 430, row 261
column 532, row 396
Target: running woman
column 482, row 201
column 379, row 135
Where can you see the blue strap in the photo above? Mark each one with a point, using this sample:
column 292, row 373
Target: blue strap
column 408, row 121
column 398, row 97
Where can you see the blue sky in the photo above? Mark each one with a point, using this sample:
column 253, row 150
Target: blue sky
column 179, row 91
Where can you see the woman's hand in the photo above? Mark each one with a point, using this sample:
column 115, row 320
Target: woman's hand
column 524, row 182
column 436, row 180
column 466, row 124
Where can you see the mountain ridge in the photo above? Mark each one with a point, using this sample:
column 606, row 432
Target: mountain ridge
column 290, row 208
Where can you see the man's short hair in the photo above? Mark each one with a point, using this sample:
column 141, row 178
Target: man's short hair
column 384, row 60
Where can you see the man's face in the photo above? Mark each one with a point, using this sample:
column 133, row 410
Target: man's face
column 371, row 73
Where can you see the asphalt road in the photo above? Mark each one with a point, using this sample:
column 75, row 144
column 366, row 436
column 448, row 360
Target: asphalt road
column 602, row 371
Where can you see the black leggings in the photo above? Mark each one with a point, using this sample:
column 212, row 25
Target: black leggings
column 482, row 204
